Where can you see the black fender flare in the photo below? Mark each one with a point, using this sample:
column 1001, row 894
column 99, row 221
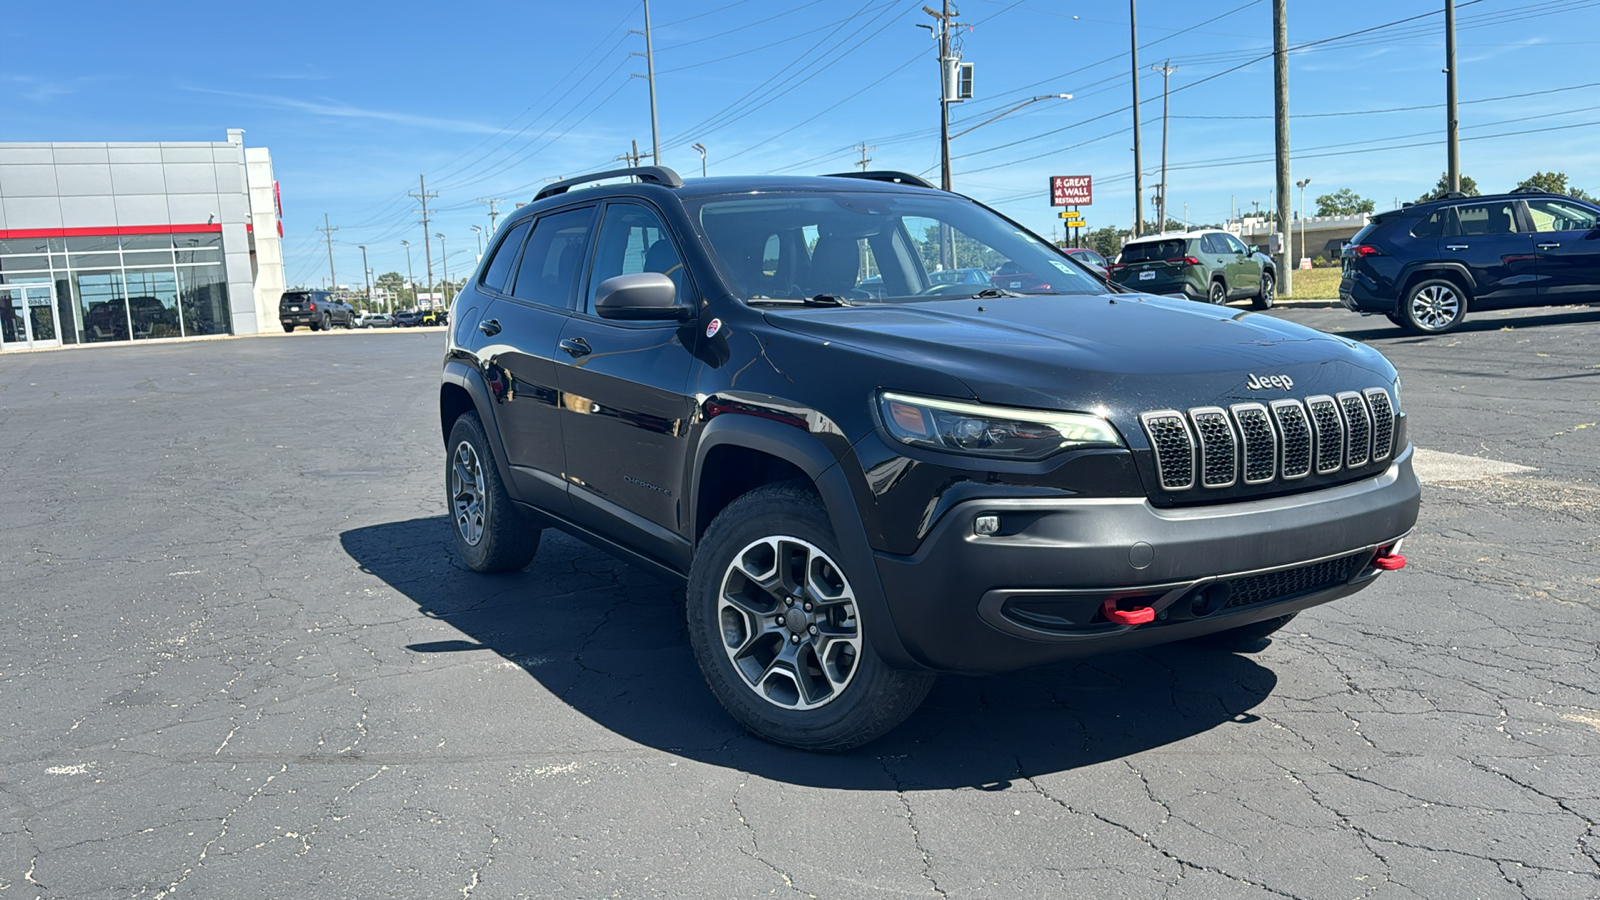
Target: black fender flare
column 471, row 380
column 807, row 453
column 1414, row 271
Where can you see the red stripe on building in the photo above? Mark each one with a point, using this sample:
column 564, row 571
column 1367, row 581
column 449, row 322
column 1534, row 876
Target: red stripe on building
column 107, row 231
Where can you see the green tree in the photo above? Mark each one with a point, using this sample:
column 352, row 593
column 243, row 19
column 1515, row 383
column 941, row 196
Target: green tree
column 1555, row 183
column 1468, row 187
column 1105, row 241
column 1344, row 202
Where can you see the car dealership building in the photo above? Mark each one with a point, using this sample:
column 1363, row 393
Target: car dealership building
column 120, row 242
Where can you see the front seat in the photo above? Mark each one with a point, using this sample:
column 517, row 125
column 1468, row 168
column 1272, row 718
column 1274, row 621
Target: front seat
column 835, row 266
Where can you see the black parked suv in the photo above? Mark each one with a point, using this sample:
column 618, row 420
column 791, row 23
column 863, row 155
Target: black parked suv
column 861, row 487
column 318, row 309
column 1426, row 264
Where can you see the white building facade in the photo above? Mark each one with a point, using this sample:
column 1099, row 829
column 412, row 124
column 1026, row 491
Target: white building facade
column 128, row 242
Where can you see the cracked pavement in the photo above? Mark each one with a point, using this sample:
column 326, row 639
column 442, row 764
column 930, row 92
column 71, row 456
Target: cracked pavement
column 242, row 662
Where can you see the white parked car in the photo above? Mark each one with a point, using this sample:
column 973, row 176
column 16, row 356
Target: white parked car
column 374, row 320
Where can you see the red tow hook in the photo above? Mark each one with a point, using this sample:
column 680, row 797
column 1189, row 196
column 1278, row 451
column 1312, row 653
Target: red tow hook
column 1128, row 616
column 1389, row 562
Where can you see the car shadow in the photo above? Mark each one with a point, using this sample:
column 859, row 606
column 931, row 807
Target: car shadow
column 608, row 639
column 1381, row 331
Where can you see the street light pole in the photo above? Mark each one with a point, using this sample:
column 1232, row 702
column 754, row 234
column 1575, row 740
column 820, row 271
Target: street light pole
column 1302, row 186
column 702, row 149
column 444, row 261
column 478, row 229
column 369, row 274
column 410, row 278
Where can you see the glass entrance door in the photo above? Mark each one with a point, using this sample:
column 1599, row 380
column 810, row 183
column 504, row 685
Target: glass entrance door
column 28, row 316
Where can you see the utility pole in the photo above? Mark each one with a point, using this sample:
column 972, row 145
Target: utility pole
column 368, row 272
column 864, row 157
column 409, row 277
column 493, row 212
column 949, row 70
column 1166, row 71
column 444, row 261
column 1138, row 164
column 1451, row 122
column 1280, row 65
column 649, row 55
column 427, row 247
column 327, row 231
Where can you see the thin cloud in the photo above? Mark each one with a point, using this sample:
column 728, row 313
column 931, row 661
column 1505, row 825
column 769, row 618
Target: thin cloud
column 339, row 110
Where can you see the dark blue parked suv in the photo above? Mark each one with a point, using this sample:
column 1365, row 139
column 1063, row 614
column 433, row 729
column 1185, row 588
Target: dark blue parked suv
column 1424, row 265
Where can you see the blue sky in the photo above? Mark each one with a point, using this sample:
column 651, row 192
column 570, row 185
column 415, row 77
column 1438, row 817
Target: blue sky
column 493, row 99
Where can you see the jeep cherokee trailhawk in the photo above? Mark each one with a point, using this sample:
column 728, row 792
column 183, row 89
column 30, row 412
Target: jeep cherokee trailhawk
column 862, row 486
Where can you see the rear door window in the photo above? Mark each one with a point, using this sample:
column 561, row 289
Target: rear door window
column 552, row 259
column 1485, row 218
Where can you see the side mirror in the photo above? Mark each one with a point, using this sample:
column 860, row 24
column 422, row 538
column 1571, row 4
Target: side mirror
column 641, row 296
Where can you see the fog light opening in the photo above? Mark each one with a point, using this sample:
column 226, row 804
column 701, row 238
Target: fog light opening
column 984, row 526
column 1209, row 599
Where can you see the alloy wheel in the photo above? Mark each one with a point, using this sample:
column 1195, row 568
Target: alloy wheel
column 1435, row 307
column 467, row 493
column 789, row 622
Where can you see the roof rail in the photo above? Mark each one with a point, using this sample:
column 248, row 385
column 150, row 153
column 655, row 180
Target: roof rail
column 653, row 174
column 884, row 175
column 1529, row 189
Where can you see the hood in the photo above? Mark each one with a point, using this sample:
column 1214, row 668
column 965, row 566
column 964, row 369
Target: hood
column 1120, row 353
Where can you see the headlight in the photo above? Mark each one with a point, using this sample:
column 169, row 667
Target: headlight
column 998, row 431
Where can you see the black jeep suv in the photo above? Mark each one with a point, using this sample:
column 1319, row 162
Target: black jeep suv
column 318, row 309
column 864, row 486
column 1424, row 265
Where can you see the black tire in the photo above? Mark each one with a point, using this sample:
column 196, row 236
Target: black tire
column 838, row 693
column 1267, row 294
column 492, row 534
column 327, row 322
column 287, row 327
column 1217, row 293
column 1245, row 638
column 1433, row 306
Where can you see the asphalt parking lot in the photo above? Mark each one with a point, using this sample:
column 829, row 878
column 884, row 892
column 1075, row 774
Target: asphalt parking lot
column 242, row 662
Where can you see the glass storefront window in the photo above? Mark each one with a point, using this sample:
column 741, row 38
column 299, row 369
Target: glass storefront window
column 203, row 297
column 152, row 303
column 105, row 311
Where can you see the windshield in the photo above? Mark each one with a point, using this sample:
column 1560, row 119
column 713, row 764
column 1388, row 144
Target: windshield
column 866, row 247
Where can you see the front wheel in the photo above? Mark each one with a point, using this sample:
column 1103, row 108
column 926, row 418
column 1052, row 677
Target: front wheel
column 1268, row 294
column 491, row 534
column 1434, row 306
column 1218, row 293
column 778, row 632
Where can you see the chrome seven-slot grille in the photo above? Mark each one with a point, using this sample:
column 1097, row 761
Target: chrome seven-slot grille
column 1261, row 442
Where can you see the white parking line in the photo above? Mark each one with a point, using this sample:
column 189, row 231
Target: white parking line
column 1438, row 467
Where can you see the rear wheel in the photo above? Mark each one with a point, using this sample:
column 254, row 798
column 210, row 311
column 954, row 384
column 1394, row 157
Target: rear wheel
column 1396, row 318
column 778, row 633
column 1268, row 294
column 1218, row 293
column 492, row 534
column 1434, row 306
column 287, row 327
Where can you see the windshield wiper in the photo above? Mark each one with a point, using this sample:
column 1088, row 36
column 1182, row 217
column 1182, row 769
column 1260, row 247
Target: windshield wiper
column 992, row 293
column 818, row 300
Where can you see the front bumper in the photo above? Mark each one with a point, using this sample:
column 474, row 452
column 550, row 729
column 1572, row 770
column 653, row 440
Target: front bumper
column 1034, row 593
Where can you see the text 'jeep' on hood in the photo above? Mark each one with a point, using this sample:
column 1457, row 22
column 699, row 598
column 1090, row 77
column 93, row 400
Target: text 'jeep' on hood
column 882, row 431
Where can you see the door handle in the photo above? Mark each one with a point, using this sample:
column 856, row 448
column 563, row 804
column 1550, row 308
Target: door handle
column 1548, row 246
column 1455, row 246
column 576, row 347
column 490, row 327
